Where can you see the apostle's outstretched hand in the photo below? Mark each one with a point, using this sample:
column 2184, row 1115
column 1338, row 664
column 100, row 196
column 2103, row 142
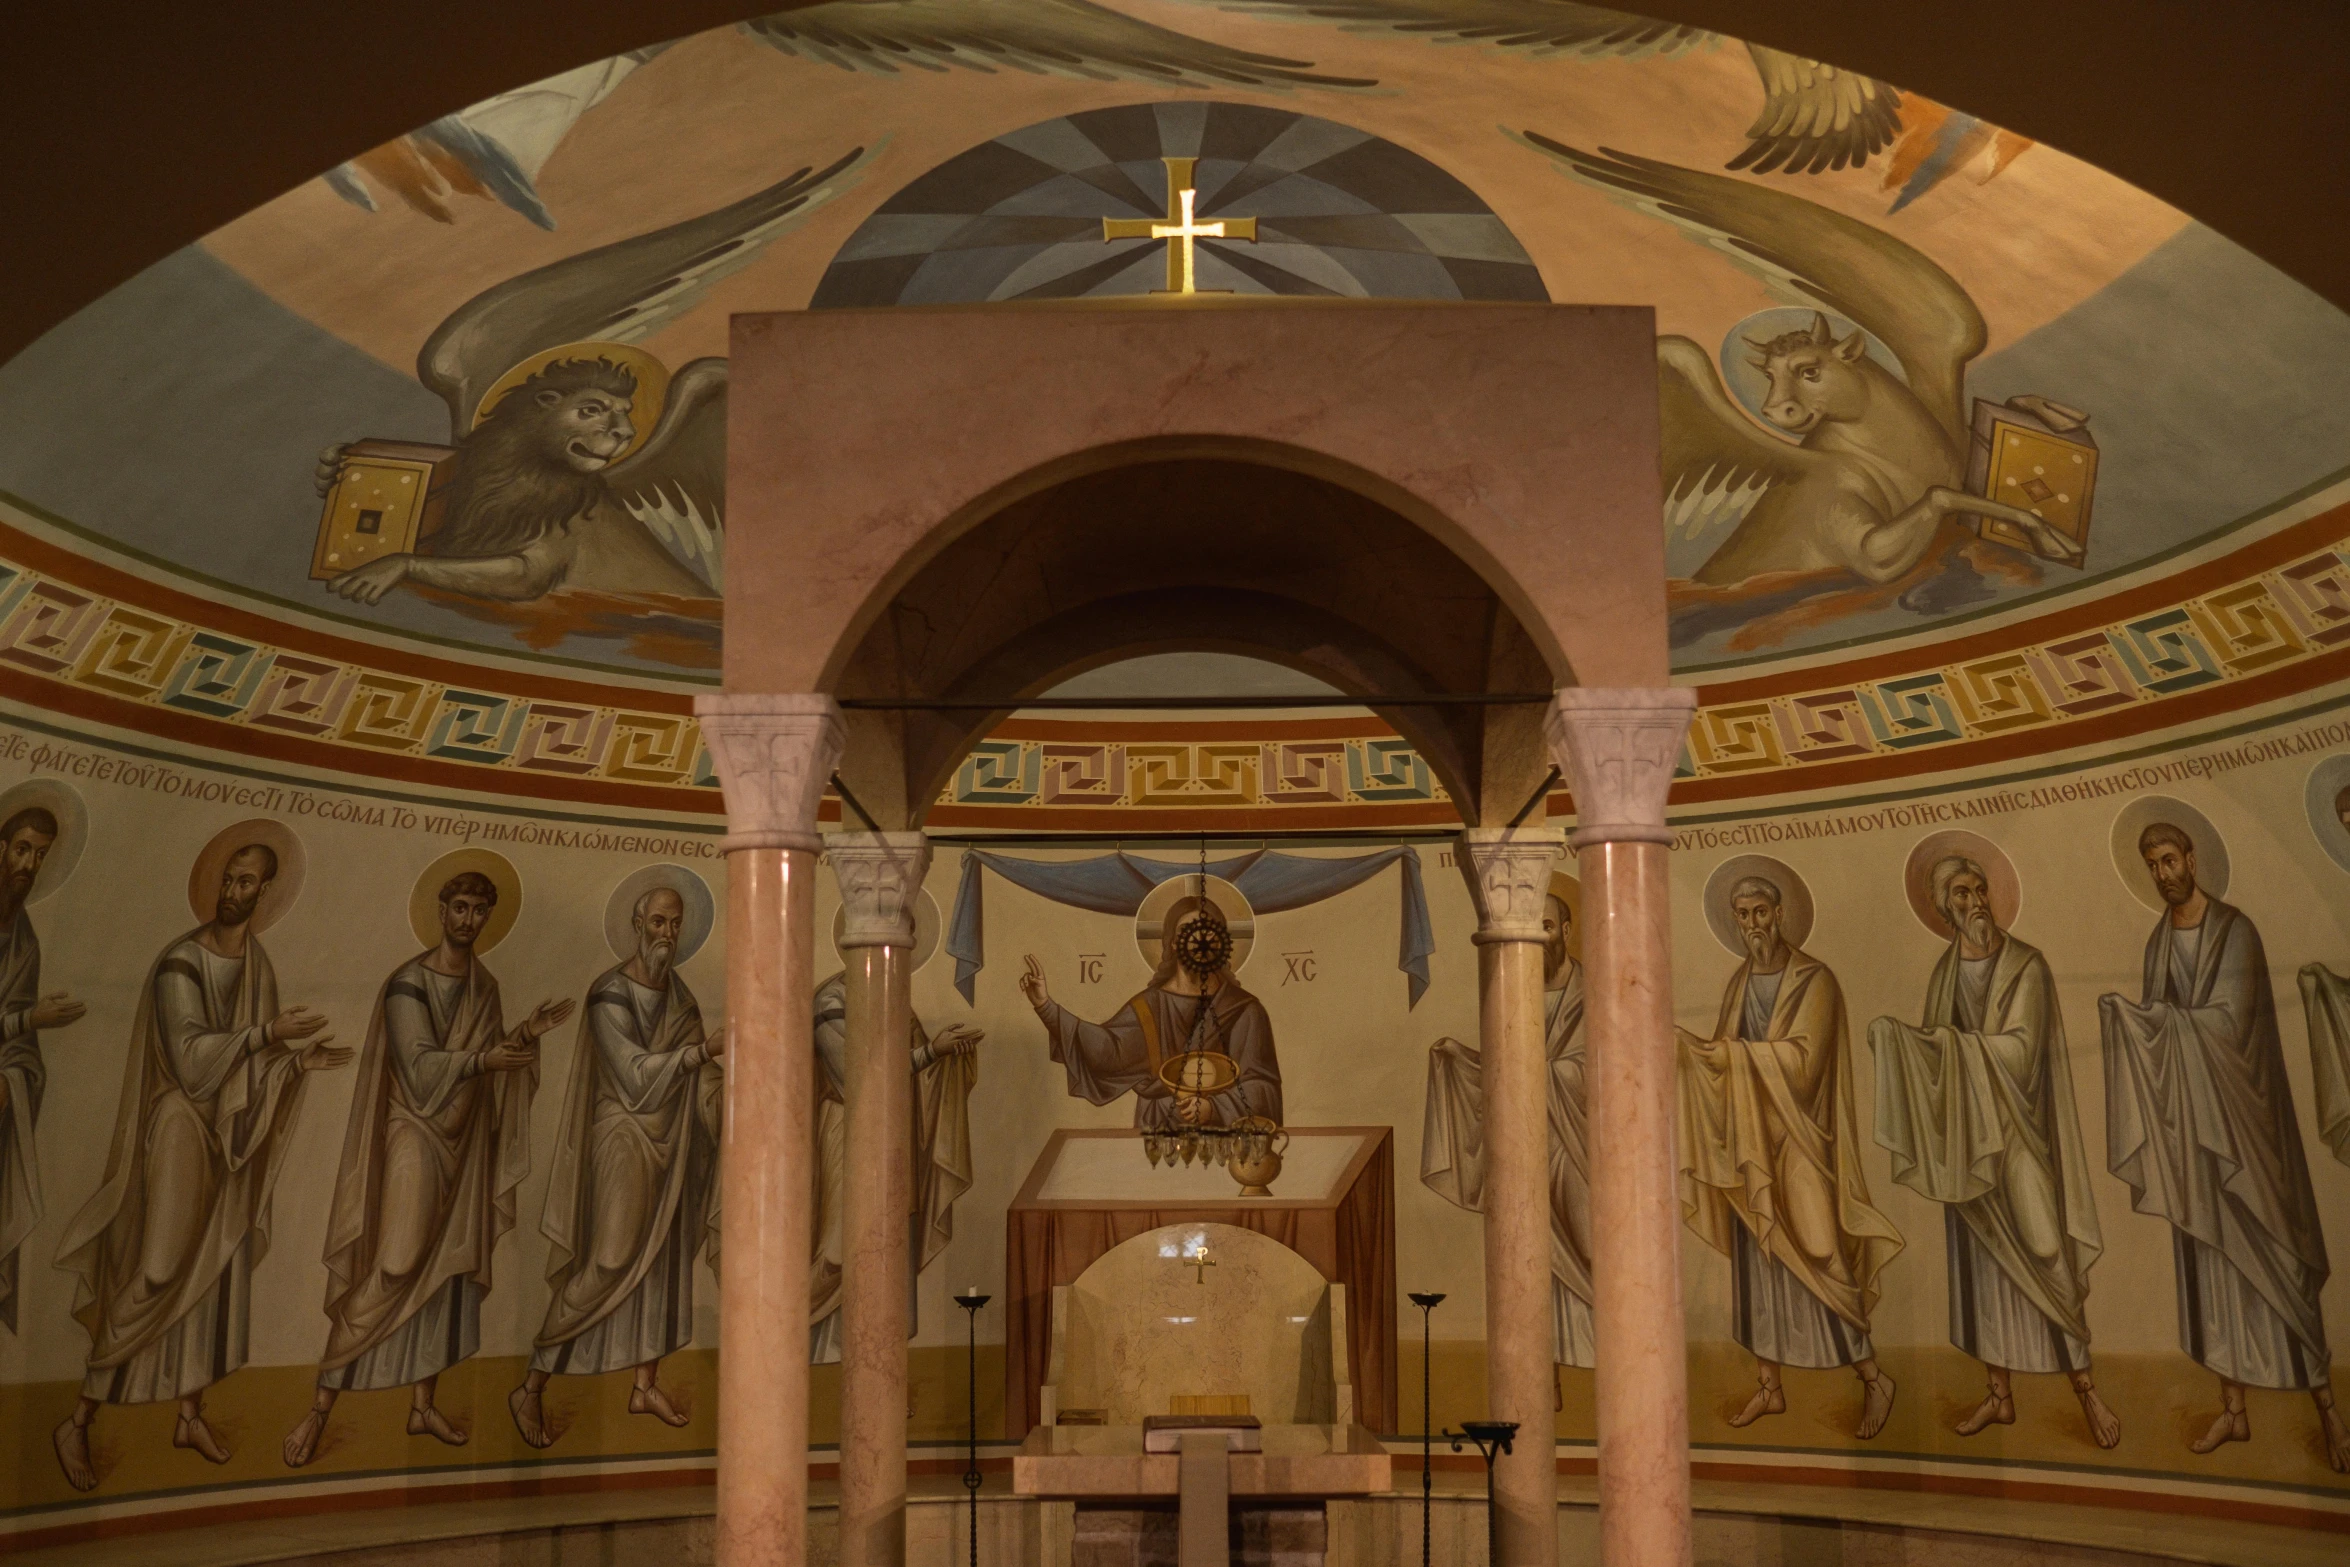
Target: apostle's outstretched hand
column 511, row 1055
column 294, row 1023
column 1032, row 983
column 544, row 1018
column 55, row 1010
column 324, row 1056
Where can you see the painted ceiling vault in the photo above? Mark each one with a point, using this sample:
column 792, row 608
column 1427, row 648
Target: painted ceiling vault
column 1921, row 377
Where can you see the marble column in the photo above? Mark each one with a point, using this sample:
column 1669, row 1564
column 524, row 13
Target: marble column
column 1618, row 749
column 1508, row 870
column 880, row 875
column 774, row 754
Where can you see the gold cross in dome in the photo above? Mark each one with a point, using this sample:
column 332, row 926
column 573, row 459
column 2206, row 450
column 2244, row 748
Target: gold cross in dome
column 1199, row 1262
column 1180, row 228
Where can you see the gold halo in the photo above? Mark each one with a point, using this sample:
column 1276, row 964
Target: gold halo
column 2211, row 850
column 73, row 829
column 424, row 898
column 1151, row 919
column 620, row 910
column 2326, row 780
column 1795, row 903
column 1917, row 877
column 926, row 924
column 1569, row 891
column 652, row 384
column 293, row 863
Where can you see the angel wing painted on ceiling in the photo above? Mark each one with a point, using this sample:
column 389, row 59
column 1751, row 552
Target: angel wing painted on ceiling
column 493, row 150
column 1042, row 37
column 551, row 487
column 1854, row 496
column 1814, row 117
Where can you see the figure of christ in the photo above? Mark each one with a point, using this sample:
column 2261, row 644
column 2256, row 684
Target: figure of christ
column 944, row 1070
column 164, row 1252
column 437, row 1144
column 1770, row 1164
column 2200, row 1123
column 633, row 1196
column 1177, row 1011
column 25, row 841
column 1976, row 1107
column 1452, row 1146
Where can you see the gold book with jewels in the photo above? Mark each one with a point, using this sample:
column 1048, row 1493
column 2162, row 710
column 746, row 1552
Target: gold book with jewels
column 385, row 500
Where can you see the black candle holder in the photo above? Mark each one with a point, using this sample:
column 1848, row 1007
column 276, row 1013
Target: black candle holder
column 1427, row 1301
column 971, row 1305
column 1491, row 1437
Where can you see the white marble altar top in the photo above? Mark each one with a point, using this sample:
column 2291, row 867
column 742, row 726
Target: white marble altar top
column 1115, row 1169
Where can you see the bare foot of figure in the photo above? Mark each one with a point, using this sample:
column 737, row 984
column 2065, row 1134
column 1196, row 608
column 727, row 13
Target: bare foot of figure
column 2337, row 1437
column 650, row 1400
column 301, row 1444
column 2105, row 1427
column 1878, row 1408
column 73, row 1455
column 2231, row 1425
column 429, row 1419
column 1992, row 1411
column 530, row 1416
column 194, row 1433
column 1769, row 1399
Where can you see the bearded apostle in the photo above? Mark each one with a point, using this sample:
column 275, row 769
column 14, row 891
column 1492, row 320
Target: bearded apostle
column 944, row 1071
column 437, row 1143
column 164, row 1252
column 1183, row 1008
column 25, row 841
column 1771, row 1177
column 634, row 1193
column 1452, row 1144
column 2200, row 1124
column 1976, row 1107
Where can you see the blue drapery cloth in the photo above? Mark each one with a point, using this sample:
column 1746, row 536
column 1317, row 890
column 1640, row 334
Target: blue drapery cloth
column 1117, row 883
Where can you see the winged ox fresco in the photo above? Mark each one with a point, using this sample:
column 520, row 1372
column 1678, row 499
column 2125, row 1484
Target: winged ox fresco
column 1852, row 495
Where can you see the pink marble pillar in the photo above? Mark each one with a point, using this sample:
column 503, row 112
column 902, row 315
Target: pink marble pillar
column 774, row 755
column 880, row 875
column 1618, row 748
column 1508, row 871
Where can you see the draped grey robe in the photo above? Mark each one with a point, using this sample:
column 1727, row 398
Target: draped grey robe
column 1976, row 1108
column 22, row 1070
column 2200, row 1124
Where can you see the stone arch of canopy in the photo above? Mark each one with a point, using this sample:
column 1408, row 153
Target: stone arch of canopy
column 973, row 503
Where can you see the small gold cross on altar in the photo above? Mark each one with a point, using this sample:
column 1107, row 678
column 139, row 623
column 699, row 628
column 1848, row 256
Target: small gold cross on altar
column 1199, row 1262
column 1179, row 228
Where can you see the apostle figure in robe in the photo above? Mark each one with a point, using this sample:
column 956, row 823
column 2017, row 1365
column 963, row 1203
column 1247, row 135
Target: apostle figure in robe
column 945, row 1070
column 436, row 1146
column 1770, row 1165
column 25, row 840
column 633, row 1197
column 2325, row 1003
column 1452, row 1144
column 1178, row 1010
column 2200, row 1124
column 1976, row 1107
column 164, row 1252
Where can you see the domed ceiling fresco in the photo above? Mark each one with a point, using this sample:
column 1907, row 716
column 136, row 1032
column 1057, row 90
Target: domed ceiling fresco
column 1916, row 370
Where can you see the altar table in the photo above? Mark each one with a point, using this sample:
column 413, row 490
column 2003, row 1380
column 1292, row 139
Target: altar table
column 1334, row 1205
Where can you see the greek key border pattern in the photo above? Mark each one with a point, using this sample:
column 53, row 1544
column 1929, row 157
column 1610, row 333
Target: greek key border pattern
column 363, row 717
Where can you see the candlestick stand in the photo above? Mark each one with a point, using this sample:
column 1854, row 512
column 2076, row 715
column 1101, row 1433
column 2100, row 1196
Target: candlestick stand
column 1427, row 1301
column 971, row 1305
column 1491, row 1437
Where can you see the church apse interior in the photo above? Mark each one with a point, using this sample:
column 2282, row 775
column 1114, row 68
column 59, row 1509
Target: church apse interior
column 924, row 784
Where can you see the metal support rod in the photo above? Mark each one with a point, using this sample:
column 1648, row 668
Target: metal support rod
column 971, row 1305
column 853, row 803
column 1427, row 1301
column 1068, row 840
column 1540, row 794
column 1177, row 704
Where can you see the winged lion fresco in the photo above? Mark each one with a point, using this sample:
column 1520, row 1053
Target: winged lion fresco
column 553, row 493
column 1852, row 498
